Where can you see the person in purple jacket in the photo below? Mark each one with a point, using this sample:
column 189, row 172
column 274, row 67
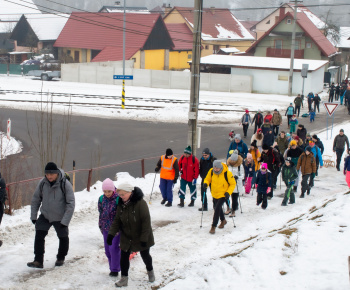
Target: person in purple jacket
column 107, row 207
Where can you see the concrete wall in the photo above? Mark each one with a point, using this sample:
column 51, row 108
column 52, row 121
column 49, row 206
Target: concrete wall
column 102, row 73
column 278, row 81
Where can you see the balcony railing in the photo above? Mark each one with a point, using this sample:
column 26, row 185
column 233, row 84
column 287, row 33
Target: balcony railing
column 276, row 52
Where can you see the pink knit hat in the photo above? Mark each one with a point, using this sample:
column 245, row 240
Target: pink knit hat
column 249, row 156
column 264, row 165
column 108, row 185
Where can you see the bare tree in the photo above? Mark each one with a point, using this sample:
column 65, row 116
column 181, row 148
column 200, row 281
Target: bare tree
column 331, row 30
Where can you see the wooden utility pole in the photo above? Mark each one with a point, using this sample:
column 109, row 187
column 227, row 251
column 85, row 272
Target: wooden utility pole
column 195, row 76
column 290, row 84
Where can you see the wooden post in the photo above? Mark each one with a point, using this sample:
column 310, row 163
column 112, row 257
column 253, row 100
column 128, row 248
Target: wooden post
column 89, row 180
column 9, row 199
column 74, row 175
column 143, row 168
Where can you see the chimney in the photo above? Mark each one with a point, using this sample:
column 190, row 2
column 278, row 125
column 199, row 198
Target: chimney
column 212, row 10
column 282, row 12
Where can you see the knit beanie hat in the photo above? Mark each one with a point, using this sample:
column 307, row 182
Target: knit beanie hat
column 206, row 151
column 246, row 111
column 249, row 156
column 308, row 148
column 188, row 150
column 108, row 184
column 264, row 165
column 168, row 152
column 314, row 137
column 254, row 144
column 234, row 156
column 51, row 168
column 126, row 186
column 293, row 142
column 217, row 164
column 265, row 147
column 238, row 137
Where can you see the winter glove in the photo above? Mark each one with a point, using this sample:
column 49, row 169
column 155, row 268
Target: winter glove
column 156, row 169
column 205, row 186
column 175, row 180
column 291, row 182
column 33, row 221
column 110, row 239
column 194, row 181
column 143, row 244
column 268, row 190
column 344, row 172
column 227, row 195
column 313, row 175
column 236, row 177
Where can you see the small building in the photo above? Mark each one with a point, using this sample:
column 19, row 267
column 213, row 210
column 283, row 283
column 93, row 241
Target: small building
column 273, row 69
column 38, row 32
column 98, row 37
column 220, row 28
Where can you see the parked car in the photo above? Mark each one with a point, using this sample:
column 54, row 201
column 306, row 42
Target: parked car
column 44, row 75
column 50, row 64
column 31, row 62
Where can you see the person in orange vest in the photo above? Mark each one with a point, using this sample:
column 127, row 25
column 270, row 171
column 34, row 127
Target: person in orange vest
column 189, row 167
column 169, row 173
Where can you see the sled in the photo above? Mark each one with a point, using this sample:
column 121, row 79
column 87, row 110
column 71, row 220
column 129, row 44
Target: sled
column 327, row 161
column 248, row 185
column 132, row 255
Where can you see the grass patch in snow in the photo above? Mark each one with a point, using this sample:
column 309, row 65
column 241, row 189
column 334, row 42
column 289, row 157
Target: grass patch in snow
column 236, row 253
column 249, row 239
column 315, row 217
column 313, row 209
column 288, row 232
column 283, row 273
column 329, row 201
column 296, row 219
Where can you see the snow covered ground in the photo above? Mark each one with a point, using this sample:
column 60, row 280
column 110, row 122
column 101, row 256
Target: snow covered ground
column 168, row 113
column 301, row 246
column 9, row 146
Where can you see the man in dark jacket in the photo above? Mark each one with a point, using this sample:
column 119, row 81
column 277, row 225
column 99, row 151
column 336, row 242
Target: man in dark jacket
column 258, row 120
column 3, row 197
column 307, row 166
column 269, row 137
column 297, row 102
column 133, row 222
column 339, row 146
column 301, row 132
column 310, row 99
column 331, row 93
column 205, row 164
column 317, row 101
column 272, row 159
column 56, row 197
column 318, row 143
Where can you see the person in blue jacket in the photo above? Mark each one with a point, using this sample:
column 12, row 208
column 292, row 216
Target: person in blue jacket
column 319, row 161
column 238, row 144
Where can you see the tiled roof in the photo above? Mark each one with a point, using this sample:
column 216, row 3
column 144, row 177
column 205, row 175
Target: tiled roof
column 99, row 30
column 181, row 36
column 310, row 30
column 217, row 24
column 114, row 53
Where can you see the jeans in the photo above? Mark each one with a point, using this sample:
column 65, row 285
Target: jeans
column 218, row 212
column 245, row 129
column 275, row 130
column 339, row 153
column 316, row 106
column 304, row 183
column 297, row 109
column 289, row 117
column 125, row 263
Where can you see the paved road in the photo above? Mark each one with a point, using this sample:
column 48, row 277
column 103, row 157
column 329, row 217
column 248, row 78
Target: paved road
column 125, row 140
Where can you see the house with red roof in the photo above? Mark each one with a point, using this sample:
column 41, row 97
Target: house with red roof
column 310, row 42
column 220, row 28
column 98, row 37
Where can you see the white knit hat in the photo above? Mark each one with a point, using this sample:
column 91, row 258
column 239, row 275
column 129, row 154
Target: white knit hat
column 126, row 186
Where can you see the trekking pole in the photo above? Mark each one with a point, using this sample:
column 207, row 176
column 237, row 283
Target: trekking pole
column 239, row 198
column 234, row 225
column 281, row 180
column 155, row 175
column 203, row 207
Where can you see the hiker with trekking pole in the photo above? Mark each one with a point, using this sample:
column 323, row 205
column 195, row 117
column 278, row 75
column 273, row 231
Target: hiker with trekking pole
column 222, row 185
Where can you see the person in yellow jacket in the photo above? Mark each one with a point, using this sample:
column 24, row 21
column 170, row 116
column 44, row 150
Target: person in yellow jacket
column 222, row 185
column 169, row 173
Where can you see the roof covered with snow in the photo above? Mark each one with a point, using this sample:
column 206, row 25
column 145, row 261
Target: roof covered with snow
column 218, row 24
column 311, row 16
column 120, row 9
column 261, row 62
column 344, row 41
column 14, row 9
column 47, row 26
column 230, row 49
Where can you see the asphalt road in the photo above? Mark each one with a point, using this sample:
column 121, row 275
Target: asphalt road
column 96, row 141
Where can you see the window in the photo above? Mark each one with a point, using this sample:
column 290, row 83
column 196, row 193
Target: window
column 297, row 44
column 268, row 22
column 134, row 59
column 207, row 47
column 216, row 48
column 68, row 52
column 283, row 78
column 278, row 44
column 189, row 56
column 308, row 45
column 289, row 21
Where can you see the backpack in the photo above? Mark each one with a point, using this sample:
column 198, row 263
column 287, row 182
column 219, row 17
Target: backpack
column 62, row 184
column 116, row 200
column 182, row 157
column 225, row 175
column 305, row 115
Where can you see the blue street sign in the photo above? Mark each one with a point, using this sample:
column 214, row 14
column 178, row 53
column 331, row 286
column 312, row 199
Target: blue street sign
column 121, row 77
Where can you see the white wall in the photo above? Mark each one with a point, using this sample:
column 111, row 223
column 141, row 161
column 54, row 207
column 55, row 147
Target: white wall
column 267, row 82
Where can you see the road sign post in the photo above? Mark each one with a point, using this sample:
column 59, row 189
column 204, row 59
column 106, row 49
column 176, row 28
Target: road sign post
column 123, row 77
column 330, row 108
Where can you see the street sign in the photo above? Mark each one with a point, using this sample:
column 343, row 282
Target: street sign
column 330, row 107
column 305, row 68
column 121, row 77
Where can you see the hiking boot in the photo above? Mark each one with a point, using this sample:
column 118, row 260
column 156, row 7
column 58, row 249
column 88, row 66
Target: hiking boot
column 151, row 277
column 163, row 201
column 302, row 195
column 169, row 204
column 59, row 263
column 113, row 274
column 191, row 203
column 308, row 191
column 222, row 224
column 283, row 204
column 232, row 214
column 35, row 264
column 291, row 202
column 227, row 212
column 182, row 203
column 212, row 230
column 122, row 282
column 203, row 209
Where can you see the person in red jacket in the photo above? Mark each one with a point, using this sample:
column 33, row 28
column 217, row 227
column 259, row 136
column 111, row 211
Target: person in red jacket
column 189, row 168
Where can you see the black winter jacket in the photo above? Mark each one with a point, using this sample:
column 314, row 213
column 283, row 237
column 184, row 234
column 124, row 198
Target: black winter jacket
column 205, row 165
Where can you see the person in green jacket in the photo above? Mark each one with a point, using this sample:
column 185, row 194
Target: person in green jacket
column 133, row 222
column 289, row 175
column 298, row 101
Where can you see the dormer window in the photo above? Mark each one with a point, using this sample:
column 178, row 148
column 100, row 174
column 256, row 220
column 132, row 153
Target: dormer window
column 289, row 21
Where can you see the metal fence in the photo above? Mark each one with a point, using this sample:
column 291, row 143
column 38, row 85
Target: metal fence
column 16, row 69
